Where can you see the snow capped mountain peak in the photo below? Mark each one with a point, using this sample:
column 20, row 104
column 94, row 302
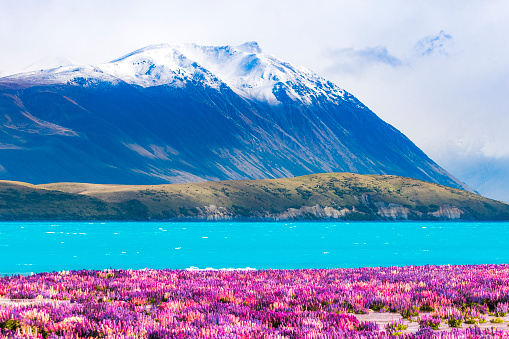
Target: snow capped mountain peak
column 249, row 47
column 263, row 77
column 244, row 68
column 158, row 65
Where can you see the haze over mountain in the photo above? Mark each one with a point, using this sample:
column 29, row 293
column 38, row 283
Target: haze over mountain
column 183, row 113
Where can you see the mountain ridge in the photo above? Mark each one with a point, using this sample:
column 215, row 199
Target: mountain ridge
column 101, row 124
column 243, row 68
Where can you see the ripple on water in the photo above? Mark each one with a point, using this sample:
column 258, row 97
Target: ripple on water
column 84, row 245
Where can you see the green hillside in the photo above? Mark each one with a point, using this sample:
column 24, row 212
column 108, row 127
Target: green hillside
column 22, row 201
column 318, row 196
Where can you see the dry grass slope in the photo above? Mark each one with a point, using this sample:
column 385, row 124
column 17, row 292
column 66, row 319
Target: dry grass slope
column 361, row 197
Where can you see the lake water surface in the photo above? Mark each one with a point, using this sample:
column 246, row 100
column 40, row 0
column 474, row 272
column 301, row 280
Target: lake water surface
column 53, row 246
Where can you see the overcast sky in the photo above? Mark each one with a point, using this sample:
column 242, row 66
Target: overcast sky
column 436, row 70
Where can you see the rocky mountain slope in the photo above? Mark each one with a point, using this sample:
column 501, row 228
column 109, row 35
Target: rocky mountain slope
column 187, row 113
column 342, row 196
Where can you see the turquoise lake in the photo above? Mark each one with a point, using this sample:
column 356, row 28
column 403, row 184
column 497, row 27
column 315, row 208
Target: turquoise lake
column 27, row 247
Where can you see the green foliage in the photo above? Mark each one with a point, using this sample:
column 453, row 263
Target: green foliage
column 496, row 321
column 10, row 324
column 426, row 308
column 410, row 312
column 396, row 326
column 188, row 212
column 433, row 322
column 489, row 303
column 241, row 211
column 304, row 192
column 45, row 333
column 454, row 321
column 326, row 303
column 376, row 307
column 134, row 210
column 224, row 300
column 356, row 216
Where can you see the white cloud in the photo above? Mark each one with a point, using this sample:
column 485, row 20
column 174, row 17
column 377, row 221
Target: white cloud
column 349, row 60
column 431, row 44
column 47, row 63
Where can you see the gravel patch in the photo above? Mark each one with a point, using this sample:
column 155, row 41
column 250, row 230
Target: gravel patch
column 384, row 318
column 24, row 302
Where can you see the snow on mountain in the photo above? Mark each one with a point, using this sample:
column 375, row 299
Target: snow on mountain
column 255, row 75
column 64, row 75
column 158, row 65
column 244, row 68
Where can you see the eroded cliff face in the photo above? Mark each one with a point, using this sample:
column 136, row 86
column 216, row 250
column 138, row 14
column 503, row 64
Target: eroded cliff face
column 316, row 211
column 396, row 211
column 213, row 212
column 448, row 212
column 383, row 210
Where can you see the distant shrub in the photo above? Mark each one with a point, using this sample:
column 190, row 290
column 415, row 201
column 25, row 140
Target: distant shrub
column 426, row 321
column 10, row 325
column 360, row 310
column 356, row 216
column 395, row 326
column 409, row 312
column 376, row 307
column 471, row 321
column 304, row 193
column 426, row 308
column 368, row 326
column 497, row 321
column 454, row 321
column 501, row 309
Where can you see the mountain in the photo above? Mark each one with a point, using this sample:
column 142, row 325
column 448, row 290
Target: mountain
column 187, row 113
column 329, row 196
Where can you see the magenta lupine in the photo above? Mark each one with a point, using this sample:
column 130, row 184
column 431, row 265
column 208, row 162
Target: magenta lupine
column 429, row 321
column 250, row 304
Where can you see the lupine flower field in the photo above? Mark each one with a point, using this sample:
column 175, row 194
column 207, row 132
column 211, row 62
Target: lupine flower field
column 445, row 301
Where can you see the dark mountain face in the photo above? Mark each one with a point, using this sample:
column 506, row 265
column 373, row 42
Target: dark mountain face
column 93, row 130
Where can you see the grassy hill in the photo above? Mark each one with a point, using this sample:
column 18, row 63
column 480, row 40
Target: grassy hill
column 318, row 196
column 22, row 201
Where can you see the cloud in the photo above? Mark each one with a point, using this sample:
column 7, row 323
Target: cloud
column 448, row 96
column 48, row 62
column 349, row 60
column 489, row 176
column 434, row 44
column 371, row 55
